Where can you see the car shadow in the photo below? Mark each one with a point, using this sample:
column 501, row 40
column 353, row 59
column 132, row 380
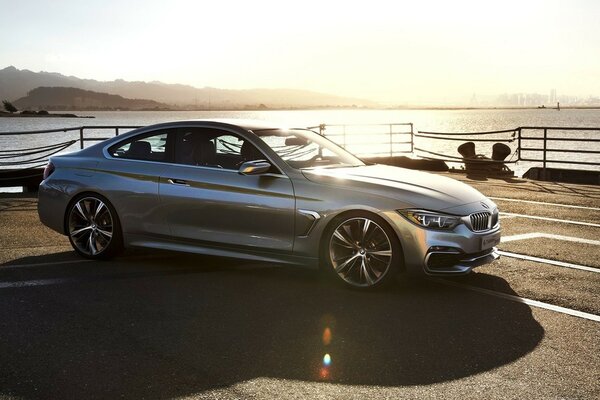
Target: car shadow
column 175, row 334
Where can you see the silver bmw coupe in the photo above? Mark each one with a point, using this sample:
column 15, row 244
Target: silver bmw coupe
column 257, row 191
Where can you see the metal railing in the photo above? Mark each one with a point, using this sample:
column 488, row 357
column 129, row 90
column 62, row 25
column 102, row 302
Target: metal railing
column 546, row 151
column 555, row 141
column 510, row 136
column 398, row 137
column 23, row 165
column 366, row 140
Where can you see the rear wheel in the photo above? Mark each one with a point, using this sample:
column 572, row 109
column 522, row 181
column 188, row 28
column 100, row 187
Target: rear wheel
column 362, row 250
column 93, row 227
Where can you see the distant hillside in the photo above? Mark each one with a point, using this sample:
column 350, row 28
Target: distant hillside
column 68, row 98
column 15, row 83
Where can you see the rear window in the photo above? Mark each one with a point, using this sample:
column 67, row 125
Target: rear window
column 151, row 147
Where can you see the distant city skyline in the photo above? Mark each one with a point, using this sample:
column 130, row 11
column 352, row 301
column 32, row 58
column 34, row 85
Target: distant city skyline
column 522, row 99
column 395, row 53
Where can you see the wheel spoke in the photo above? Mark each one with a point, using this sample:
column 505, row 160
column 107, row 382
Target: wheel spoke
column 78, row 231
column 341, row 237
column 346, row 263
column 384, row 253
column 98, row 209
column 91, row 244
column 347, row 229
column 365, row 272
column 80, row 211
column 105, row 233
column 366, row 226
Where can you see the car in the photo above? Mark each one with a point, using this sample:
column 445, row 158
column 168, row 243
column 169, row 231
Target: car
column 258, row 191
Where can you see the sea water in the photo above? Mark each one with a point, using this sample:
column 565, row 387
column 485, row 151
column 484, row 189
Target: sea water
column 465, row 121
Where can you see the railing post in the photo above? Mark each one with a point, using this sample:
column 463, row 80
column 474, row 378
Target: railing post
column 519, row 145
column 322, row 129
column 81, row 138
column 412, row 139
column 545, row 142
column 116, row 131
column 391, row 142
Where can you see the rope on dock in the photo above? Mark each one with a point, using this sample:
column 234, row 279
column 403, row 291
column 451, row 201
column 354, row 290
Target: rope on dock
column 44, row 153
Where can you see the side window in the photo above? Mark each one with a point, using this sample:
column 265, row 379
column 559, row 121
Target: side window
column 213, row 148
column 229, row 144
column 149, row 147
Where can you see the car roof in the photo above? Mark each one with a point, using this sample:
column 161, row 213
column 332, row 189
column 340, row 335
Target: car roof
column 247, row 124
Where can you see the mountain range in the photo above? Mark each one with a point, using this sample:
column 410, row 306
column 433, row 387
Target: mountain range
column 68, row 98
column 16, row 83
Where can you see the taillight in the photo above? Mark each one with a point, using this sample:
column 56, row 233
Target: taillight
column 48, row 170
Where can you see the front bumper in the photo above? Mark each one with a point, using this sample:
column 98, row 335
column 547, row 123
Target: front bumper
column 438, row 252
column 453, row 262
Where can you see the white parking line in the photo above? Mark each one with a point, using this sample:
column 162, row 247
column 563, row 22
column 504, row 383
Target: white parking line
column 566, row 221
column 543, row 202
column 550, row 262
column 534, row 235
column 529, row 302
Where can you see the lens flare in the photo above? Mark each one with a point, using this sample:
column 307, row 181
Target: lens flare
column 324, row 373
column 327, row 360
column 327, row 336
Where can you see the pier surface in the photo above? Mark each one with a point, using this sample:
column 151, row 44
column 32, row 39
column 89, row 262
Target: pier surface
column 164, row 325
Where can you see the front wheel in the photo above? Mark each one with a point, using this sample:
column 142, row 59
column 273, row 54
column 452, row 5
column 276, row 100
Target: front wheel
column 93, row 227
column 362, row 250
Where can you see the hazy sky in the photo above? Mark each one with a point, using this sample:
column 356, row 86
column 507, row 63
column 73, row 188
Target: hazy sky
column 388, row 51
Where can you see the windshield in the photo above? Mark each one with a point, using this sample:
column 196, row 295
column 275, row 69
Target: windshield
column 303, row 148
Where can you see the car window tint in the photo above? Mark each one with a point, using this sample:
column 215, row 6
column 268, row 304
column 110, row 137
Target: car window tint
column 215, row 148
column 150, row 148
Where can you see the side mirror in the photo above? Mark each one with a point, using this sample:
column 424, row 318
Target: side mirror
column 255, row 167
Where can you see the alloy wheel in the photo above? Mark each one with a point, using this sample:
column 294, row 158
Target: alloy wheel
column 91, row 226
column 360, row 252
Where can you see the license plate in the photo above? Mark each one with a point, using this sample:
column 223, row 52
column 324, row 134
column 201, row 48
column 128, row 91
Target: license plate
column 489, row 241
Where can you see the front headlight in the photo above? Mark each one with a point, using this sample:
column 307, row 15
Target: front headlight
column 430, row 219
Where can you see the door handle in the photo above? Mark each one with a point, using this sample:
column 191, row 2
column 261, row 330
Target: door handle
column 177, row 182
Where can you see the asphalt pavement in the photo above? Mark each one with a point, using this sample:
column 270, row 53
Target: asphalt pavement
column 165, row 325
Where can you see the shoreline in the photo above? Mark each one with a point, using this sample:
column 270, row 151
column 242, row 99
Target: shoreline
column 16, row 115
column 69, row 115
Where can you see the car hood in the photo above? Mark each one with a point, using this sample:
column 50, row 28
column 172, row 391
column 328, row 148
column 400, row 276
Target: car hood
column 412, row 188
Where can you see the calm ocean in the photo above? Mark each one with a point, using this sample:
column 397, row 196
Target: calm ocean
column 423, row 120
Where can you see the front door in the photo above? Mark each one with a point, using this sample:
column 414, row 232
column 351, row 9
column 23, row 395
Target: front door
column 205, row 199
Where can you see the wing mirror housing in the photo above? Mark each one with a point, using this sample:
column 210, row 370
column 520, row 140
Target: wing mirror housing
column 255, row 167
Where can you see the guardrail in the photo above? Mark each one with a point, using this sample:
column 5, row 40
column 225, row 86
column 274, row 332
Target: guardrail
column 398, row 137
column 468, row 137
column 581, row 143
column 369, row 140
column 23, row 166
column 546, row 139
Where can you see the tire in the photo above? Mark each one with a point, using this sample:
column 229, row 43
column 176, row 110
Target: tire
column 93, row 227
column 361, row 250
